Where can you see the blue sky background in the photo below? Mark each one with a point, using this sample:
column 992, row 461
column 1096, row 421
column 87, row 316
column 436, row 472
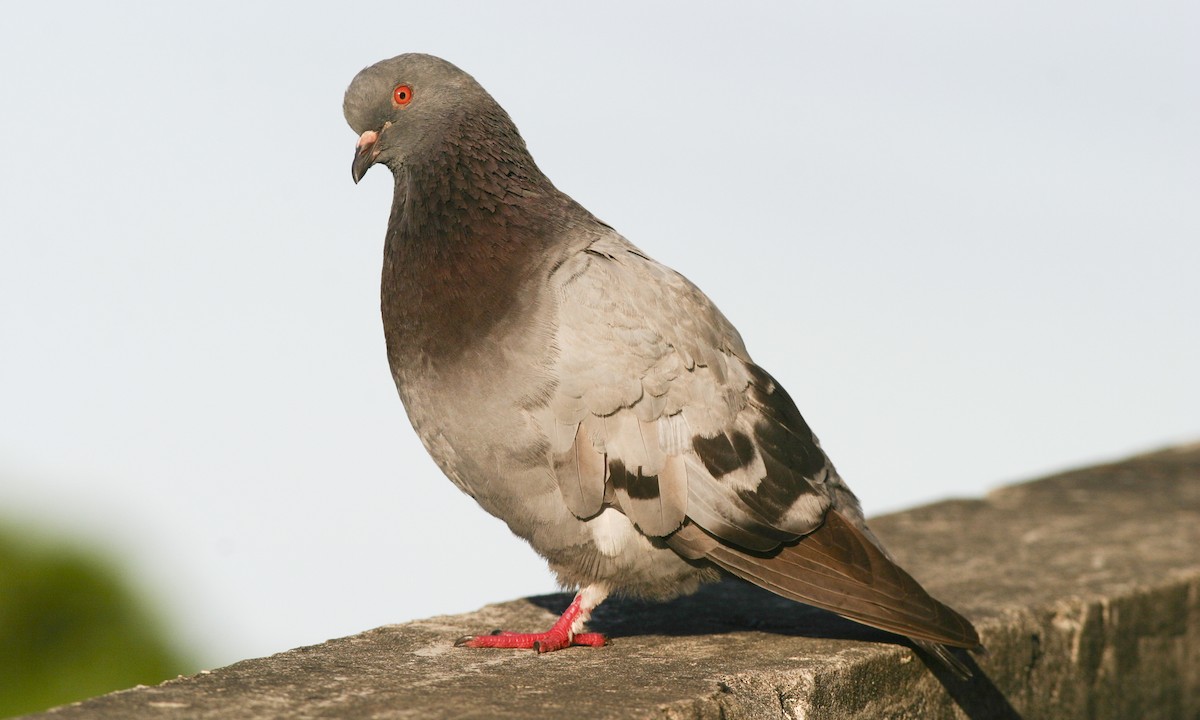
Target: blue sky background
column 966, row 238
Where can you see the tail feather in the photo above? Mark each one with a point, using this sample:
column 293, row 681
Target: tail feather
column 837, row 568
column 946, row 657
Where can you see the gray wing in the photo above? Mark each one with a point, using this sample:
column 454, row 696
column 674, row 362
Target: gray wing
column 660, row 414
column 659, row 408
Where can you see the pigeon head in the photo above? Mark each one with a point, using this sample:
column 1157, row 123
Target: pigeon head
column 413, row 103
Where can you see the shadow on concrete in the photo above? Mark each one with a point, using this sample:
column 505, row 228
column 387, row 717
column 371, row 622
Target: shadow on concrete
column 977, row 696
column 728, row 606
column 736, row 606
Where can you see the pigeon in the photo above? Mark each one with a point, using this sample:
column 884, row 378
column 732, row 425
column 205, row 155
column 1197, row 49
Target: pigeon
column 593, row 399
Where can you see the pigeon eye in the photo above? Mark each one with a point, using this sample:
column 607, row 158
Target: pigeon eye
column 402, row 95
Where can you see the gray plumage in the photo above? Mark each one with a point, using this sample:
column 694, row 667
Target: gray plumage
column 591, row 398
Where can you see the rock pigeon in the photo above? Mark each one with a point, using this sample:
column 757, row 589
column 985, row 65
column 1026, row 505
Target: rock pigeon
column 593, row 399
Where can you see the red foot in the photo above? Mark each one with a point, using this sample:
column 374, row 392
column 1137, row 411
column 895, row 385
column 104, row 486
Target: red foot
column 556, row 638
column 542, row 642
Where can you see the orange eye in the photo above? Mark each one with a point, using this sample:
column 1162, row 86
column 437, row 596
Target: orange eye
column 402, row 95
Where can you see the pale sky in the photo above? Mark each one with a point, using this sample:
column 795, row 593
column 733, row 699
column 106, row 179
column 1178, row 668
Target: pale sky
column 964, row 236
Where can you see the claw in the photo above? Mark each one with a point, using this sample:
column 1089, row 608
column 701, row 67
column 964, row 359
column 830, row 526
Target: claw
column 556, row 638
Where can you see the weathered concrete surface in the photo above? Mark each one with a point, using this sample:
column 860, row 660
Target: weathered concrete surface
column 1085, row 587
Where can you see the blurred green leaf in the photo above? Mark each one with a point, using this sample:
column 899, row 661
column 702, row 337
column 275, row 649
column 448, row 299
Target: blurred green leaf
column 70, row 628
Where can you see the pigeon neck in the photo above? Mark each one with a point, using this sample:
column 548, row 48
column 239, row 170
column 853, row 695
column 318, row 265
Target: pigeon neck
column 467, row 232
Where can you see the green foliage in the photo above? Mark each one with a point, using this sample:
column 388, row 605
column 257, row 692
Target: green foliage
column 70, row 629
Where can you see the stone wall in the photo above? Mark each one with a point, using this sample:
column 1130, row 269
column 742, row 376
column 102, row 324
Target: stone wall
column 1085, row 587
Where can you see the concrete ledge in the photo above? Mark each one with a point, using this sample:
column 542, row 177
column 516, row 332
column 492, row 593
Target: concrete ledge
column 1085, row 587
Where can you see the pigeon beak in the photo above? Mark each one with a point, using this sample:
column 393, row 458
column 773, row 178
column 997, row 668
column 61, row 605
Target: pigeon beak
column 365, row 154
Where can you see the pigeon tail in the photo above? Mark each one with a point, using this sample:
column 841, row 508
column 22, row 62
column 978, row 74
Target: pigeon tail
column 837, row 568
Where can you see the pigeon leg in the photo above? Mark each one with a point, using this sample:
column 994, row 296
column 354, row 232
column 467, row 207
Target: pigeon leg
column 565, row 632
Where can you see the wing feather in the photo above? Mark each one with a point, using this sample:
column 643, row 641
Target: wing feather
column 580, row 470
column 654, row 373
column 659, row 414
